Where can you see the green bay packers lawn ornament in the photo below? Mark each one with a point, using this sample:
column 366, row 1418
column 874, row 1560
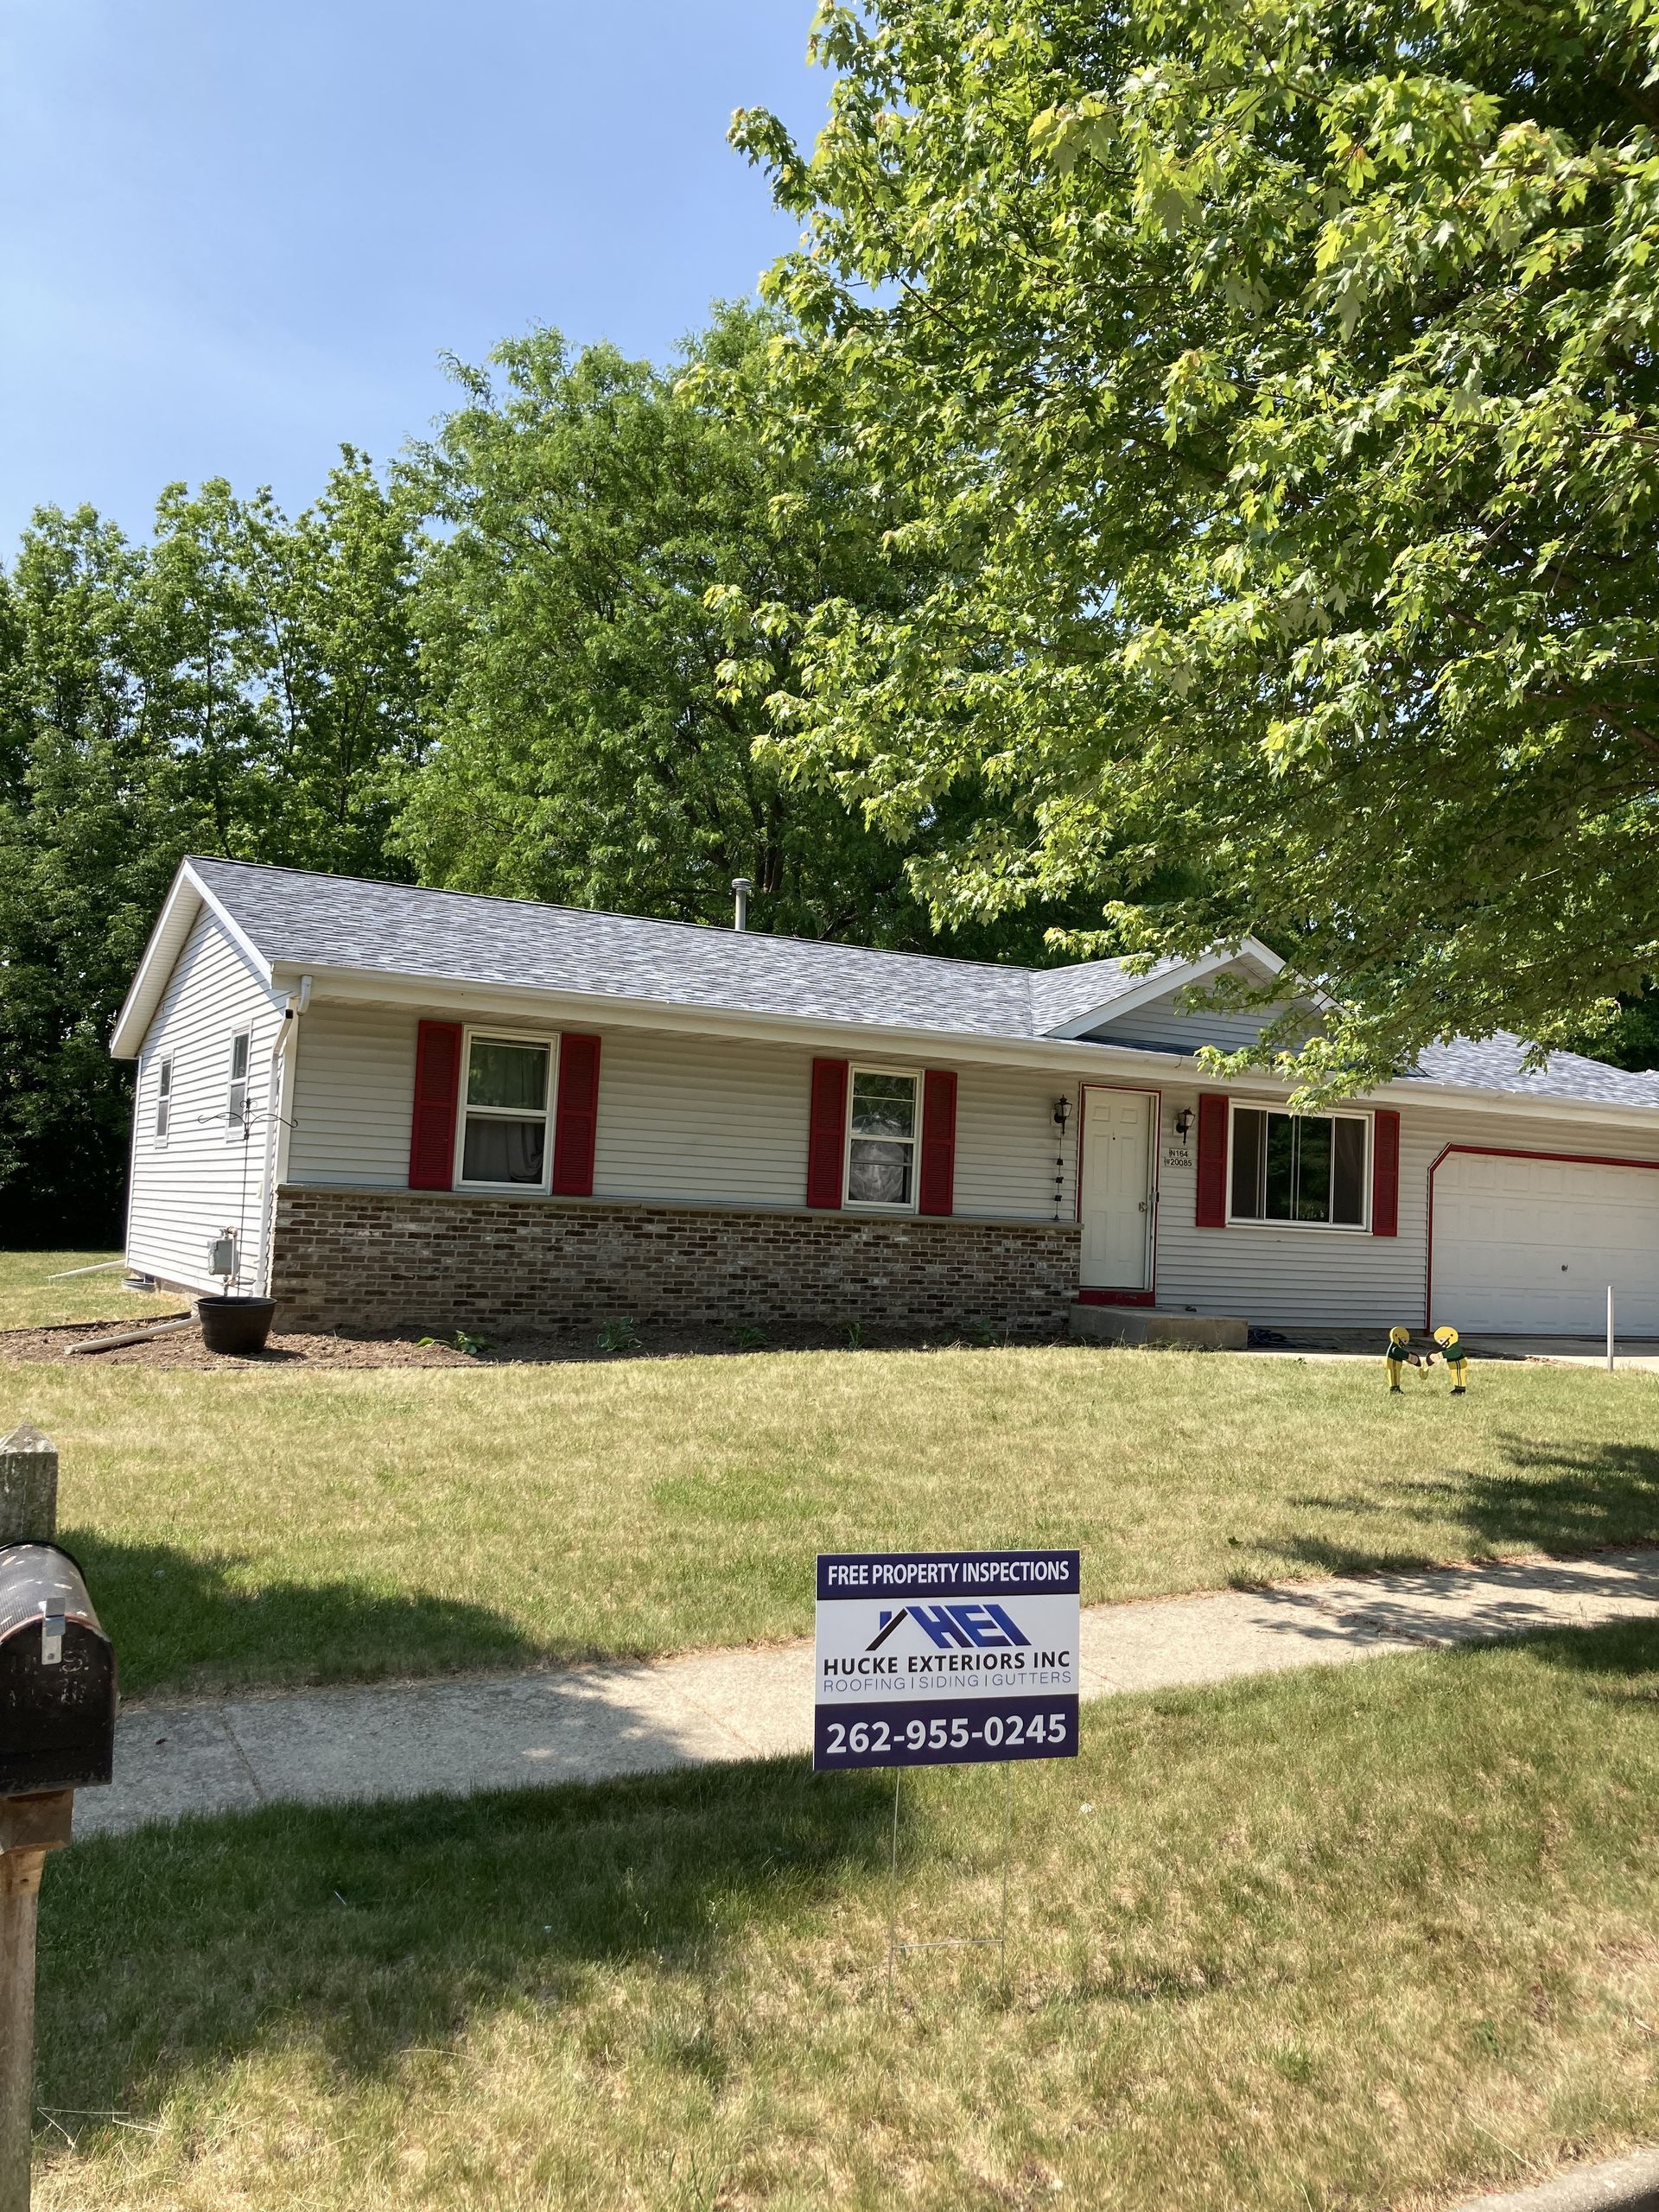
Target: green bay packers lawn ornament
column 1456, row 1359
column 1398, row 1353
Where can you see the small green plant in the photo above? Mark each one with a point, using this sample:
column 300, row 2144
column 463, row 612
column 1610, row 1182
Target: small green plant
column 475, row 1347
column 746, row 1337
column 979, row 1330
column 855, row 1335
column 619, row 1335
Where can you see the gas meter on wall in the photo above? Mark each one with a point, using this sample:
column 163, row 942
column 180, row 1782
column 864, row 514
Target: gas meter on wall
column 221, row 1256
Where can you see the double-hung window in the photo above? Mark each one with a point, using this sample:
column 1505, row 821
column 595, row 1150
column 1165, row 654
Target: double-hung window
column 163, row 1098
column 236, row 1106
column 1306, row 1169
column 504, row 1116
column 881, row 1131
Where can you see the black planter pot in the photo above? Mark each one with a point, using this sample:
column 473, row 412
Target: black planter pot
column 236, row 1325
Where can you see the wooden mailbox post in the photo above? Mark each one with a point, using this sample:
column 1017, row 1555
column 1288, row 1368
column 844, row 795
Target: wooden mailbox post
column 57, row 1725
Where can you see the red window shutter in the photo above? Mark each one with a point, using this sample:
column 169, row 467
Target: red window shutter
column 1211, row 1211
column 936, row 1185
column 437, row 1088
column 575, row 1119
column 826, row 1141
column 1385, row 1172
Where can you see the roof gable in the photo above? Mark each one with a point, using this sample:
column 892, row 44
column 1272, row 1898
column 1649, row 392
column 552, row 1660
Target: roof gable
column 1157, row 993
column 188, row 897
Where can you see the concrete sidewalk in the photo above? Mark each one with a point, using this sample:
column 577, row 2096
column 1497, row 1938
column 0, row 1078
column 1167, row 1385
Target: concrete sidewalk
column 1626, row 2185
column 586, row 1724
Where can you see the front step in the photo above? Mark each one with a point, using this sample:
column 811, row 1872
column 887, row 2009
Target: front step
column 1145, row 1324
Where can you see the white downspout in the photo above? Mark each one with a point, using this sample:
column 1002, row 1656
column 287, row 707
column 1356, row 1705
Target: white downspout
column 276, row 1123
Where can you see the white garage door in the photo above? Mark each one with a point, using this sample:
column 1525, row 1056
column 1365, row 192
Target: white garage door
column 1532, row 1245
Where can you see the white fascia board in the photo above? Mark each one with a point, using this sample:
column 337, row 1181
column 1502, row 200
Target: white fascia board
column 1264, row 953
column 447, row 999
column 1064, row 1059
column 1160, row 984
column 233, row 929
column 185, row 900
column 1470, row 1097
column 167, row 940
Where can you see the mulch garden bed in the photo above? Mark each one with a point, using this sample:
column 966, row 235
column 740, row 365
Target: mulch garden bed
column 185, row 1348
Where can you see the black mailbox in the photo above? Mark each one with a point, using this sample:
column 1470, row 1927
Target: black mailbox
column 57, row 1676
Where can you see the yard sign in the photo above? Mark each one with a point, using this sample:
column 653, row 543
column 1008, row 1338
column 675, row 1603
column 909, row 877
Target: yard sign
column 945, row 1658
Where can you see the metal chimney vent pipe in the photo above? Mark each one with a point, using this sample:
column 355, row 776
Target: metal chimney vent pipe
column 741, row 887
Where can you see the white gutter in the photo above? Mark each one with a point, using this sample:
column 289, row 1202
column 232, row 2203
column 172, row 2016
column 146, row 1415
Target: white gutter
column 276, row 1119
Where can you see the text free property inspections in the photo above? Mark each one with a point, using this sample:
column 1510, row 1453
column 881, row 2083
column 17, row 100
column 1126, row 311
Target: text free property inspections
column 926, row 1626
column 849, row 1578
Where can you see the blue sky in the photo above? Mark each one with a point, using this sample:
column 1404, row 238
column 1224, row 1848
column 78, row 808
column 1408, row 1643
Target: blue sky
column 236, row 233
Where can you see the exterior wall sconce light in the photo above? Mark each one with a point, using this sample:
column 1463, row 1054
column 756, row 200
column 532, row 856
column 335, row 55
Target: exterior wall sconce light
column 1184, row 1123
column 1062, row 1113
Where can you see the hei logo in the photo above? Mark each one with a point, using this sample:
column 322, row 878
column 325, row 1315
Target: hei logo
column 959, row 1627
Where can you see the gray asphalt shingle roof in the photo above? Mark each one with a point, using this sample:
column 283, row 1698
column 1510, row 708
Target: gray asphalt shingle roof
column 395, row 929
column 1494, row 1063
column 324, row 921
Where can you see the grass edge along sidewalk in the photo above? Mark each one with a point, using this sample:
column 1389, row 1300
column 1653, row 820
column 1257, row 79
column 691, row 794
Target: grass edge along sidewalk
column 1345, row 1938
column 284, row 1527
column 592, row 1724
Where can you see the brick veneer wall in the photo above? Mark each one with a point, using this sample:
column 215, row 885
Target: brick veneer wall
column 389, row 1259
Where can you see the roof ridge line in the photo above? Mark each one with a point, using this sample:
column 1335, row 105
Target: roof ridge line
column 659, row 921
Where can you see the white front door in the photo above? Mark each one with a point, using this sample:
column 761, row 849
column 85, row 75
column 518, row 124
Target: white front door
column 1116, row 1189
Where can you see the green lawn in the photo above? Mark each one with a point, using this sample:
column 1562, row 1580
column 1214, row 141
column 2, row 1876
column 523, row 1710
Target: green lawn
column 30, row 1300
column 253, row 1525
column 1332, row 1940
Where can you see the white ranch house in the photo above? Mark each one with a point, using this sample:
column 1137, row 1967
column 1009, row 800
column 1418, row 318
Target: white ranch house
column 423, row 1108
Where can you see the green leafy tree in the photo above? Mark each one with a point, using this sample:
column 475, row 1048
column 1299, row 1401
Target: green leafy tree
column 243, row 685
column 1272, row 390
column 593, row 746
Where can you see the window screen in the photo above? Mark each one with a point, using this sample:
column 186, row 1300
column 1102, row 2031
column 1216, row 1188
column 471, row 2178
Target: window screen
column 1298, row 1167
column 505, row 1136
column 881, row 1141
column 236, row 1110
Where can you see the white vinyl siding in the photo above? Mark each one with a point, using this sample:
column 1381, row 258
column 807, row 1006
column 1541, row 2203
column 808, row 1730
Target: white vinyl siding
column 1163, row 1025
column 202, row 1179
column 727, row 1124
column 724, row 1122
column 721, row 1122
column 353, row 1089
column 1009, row 1150
column 1340, row 1279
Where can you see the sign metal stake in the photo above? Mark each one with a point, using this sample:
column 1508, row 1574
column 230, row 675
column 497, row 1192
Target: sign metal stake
column 1000, row 1941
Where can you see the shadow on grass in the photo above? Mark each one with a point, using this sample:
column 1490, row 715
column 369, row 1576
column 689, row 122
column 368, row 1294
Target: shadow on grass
column 1623, row 1657
column 1548, row 1497
column 355, row 1934
column 188, row 1622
